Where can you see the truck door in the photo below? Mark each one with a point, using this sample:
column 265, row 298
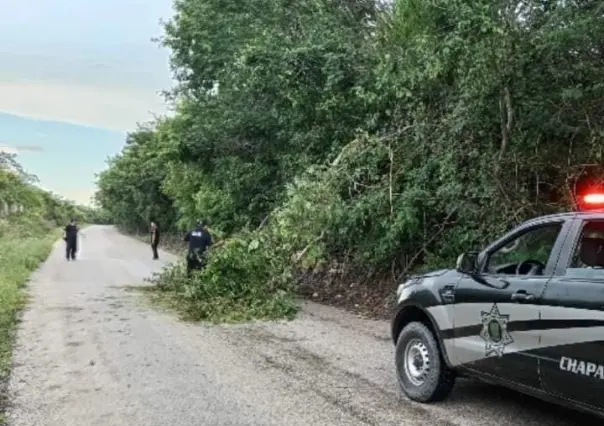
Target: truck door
column 497, row 311
column 572, row 319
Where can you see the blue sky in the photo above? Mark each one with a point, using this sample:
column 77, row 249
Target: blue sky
column 74, row 77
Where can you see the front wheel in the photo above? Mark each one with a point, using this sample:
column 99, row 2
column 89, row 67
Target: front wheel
column 422, row 373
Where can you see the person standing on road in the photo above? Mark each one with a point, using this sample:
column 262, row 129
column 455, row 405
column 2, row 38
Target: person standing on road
column 155, row 233
column 199, row 240
column 71, row 239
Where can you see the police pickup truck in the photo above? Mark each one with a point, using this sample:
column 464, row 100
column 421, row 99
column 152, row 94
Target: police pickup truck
column 527, row 313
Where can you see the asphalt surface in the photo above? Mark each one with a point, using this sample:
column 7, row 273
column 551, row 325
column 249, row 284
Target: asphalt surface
column 90, row 352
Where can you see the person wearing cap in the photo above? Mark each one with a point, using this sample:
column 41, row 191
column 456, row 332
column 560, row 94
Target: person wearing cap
column 199, row 240
column 71, row 239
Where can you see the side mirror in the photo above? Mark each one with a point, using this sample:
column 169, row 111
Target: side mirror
column 466, row 263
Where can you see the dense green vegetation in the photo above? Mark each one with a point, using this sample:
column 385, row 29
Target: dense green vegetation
column 29, row 225
column 353, row 136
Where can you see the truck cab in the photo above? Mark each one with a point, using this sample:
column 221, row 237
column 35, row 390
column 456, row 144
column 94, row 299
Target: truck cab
column 527, row 312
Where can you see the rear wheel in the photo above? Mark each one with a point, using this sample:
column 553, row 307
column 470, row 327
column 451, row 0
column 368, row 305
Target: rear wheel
column 422, row 373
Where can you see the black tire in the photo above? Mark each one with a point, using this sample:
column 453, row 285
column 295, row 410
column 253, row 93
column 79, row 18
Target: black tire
column 433, row 379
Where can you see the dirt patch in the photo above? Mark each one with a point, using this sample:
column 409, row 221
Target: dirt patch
column 373, row 297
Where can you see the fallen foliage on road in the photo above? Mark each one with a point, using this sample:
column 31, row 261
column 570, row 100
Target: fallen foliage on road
column 220, row 293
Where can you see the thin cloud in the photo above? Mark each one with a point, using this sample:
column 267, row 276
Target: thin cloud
column 90, row 63
column 81, row 196
column 109, row 108
column 20, row 148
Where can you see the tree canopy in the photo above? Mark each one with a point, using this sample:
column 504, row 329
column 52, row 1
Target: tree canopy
column 380, row 136
column 20, row 199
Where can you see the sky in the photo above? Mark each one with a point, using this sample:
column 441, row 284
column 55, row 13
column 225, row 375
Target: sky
column 75, row 76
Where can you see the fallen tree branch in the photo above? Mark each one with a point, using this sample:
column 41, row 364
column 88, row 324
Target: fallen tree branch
column 382, row 138
column 264, row 221
column 303, row 252
column 391, row 157
column 425, row 245
column 507, row 120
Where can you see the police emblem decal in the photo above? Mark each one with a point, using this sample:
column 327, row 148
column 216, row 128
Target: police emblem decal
column 495, row 331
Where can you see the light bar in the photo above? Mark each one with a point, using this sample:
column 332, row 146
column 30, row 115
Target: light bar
column 597, row 198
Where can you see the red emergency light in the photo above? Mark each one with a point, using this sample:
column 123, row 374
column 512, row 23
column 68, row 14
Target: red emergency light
column 594, row 199
column 591, row 201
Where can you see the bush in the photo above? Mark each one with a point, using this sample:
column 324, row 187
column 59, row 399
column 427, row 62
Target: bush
column 247, row 277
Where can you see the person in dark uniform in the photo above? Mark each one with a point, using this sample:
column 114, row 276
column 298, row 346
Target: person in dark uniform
column 71, row 239
column 155, row 233
column 199, row 240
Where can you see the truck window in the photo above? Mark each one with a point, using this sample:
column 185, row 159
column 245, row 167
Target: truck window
column 587, row 260
column 535, row 244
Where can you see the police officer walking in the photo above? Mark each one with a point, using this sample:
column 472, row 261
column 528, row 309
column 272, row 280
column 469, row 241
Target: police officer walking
column 199, row 240
column 71, row 239
column 154, row 239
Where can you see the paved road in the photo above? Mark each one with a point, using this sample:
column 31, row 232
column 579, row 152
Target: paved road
column 91, row 353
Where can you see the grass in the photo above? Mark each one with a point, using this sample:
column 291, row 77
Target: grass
column 21, row 252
